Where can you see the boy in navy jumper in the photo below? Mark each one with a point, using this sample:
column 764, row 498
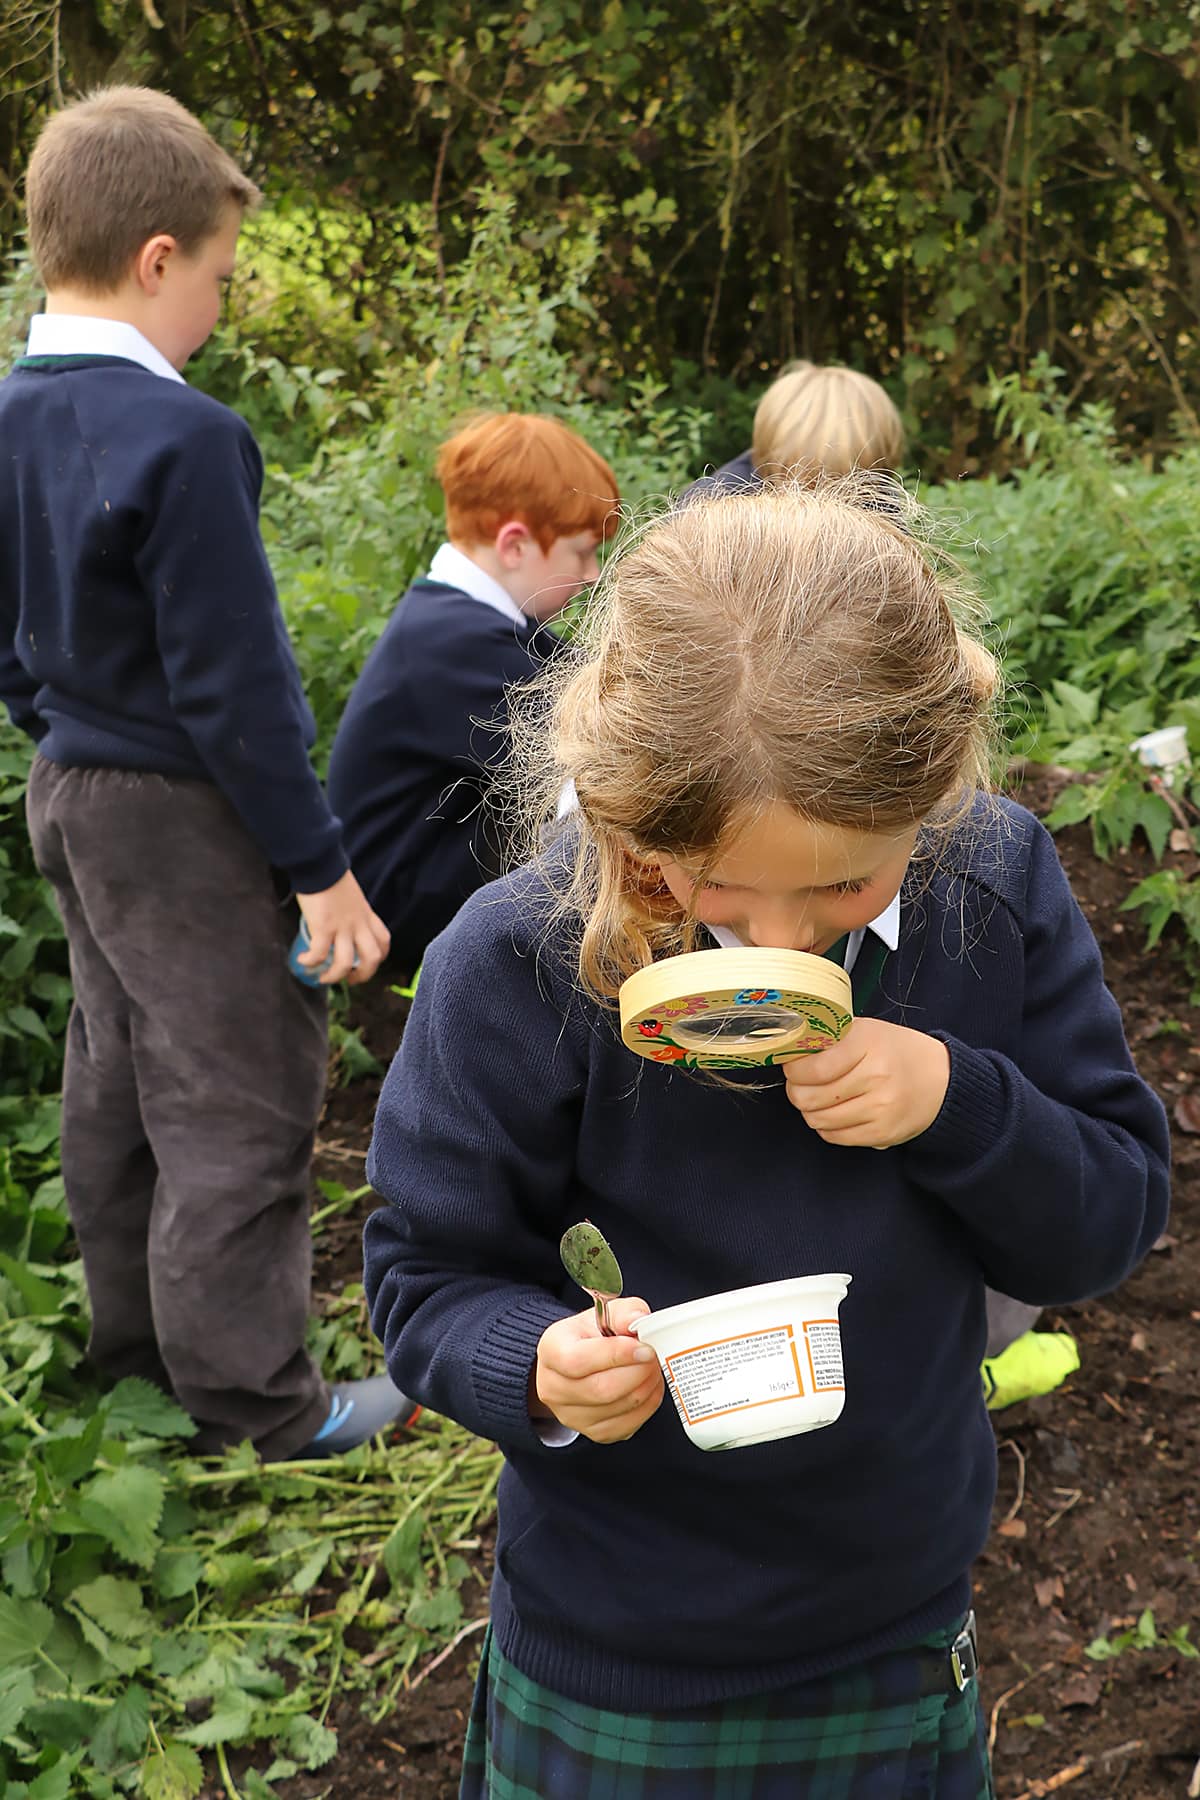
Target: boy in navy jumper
column 778, row 733
column 172, row 805
column 527, row 504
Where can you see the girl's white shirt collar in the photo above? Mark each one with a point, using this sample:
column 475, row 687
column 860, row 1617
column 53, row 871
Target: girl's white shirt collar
column 73, row 334
column 886, row 926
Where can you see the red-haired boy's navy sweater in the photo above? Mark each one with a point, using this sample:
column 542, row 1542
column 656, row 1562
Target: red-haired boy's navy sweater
column 415, row 751
column 650, row 1573
column 139, row 625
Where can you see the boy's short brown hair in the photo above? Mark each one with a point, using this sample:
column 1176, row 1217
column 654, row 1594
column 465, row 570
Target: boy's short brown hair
column 524, row 466
column 111, row 170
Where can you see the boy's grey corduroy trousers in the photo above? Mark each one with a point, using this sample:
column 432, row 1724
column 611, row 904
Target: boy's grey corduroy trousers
column 194, row 1076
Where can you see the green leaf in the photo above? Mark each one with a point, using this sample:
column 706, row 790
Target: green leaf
column 121, row 1735
column 172, row 1771
column 402, row 1552
column 310, row 1744
column 136, row 1408
column 125, row 1507
column 230, row 1719
column 24, row 1627
column 1156, row 819
column 1079, row 707
column 311, row 1568
column 115, row 1605
column 73, row 1455
column 40, row 1297
column 55, row 1782
column 17, row 1695
column 1073, row 805
column 439, row 1611
column 26, row 1020
column 123, row 1658
column 176, row 1572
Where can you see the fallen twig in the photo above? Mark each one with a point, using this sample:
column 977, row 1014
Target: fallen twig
column 1014, row 1509
column 1075, row 1495
column 451, row 1647
column 1194, row 1783
column 995, row 1718
column 1037, row 1790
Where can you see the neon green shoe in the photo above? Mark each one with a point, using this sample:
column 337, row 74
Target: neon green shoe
column 1034, row 1364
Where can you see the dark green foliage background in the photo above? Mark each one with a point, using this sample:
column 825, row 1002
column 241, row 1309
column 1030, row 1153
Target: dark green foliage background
column 927, row 188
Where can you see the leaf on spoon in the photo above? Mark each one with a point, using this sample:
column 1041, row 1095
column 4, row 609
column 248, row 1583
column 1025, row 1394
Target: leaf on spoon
column 588, row 1260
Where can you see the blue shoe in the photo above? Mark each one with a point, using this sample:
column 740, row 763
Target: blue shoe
column 357, row 1411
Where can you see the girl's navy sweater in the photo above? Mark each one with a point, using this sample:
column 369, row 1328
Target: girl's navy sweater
column 650, row 1573
column 139, row 625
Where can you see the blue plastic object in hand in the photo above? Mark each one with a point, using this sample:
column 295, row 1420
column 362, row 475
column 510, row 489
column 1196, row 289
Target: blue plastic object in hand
column 301, row 944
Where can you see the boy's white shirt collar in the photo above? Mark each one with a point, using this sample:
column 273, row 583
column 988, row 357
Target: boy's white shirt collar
column 457, row 570
column 72, row 334
column 886, row 926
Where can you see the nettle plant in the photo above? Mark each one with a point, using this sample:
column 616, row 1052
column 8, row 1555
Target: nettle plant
column 1090, row 565
column 350, row 525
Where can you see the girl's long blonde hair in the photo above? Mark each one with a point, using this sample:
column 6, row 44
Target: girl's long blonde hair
column 798, row 646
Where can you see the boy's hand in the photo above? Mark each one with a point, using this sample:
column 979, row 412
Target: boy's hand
column 603, row 1387
column 881, row 1085
column 341, row 922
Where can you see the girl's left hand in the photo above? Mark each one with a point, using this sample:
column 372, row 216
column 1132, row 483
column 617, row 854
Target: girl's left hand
column 881, row 1085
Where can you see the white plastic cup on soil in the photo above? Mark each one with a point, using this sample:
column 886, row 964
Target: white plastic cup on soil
column 755, row 1363
column 1165, row 750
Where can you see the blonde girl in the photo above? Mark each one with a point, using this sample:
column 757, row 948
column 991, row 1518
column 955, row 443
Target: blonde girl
column 778, row 734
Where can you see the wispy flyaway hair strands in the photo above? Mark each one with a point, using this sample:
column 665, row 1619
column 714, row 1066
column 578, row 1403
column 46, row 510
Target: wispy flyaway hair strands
column 798, row 645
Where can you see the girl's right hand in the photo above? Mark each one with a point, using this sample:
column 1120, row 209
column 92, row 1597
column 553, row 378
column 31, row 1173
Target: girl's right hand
column 605, row 1388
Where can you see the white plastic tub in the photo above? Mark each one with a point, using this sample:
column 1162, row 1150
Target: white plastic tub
column 753, row 1364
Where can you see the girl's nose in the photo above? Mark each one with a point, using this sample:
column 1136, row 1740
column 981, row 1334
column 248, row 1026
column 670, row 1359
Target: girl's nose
column 780, row 928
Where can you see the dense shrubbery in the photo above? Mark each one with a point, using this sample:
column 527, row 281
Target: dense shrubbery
column 926, row 189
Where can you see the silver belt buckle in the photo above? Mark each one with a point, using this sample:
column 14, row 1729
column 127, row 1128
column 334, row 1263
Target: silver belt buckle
column 964, row 1654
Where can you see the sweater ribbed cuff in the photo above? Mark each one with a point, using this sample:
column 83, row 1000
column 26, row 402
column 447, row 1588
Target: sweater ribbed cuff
column 973, row 1115
column 500, row 1377
column 314, row 877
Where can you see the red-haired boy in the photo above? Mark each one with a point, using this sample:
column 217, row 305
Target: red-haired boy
column 527, row 505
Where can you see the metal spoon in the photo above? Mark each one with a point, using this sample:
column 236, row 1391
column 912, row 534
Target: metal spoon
column 591, row 1264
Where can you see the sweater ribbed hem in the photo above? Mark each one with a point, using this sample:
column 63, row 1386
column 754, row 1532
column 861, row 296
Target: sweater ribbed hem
column 560, row 1657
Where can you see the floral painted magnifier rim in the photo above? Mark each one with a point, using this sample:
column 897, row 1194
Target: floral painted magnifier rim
column 735, row 1009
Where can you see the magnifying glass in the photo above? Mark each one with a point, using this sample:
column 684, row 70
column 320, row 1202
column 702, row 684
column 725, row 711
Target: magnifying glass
column 735, row 1009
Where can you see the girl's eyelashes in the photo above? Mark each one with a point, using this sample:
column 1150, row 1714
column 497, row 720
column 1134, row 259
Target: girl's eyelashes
column 835, row 887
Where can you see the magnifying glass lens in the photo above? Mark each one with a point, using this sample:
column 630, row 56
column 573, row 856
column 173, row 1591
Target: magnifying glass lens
column 759, row 1025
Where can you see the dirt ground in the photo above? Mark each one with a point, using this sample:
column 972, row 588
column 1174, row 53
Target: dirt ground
column 1098, row 1513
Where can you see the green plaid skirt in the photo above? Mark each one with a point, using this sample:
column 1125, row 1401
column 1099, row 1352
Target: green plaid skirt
column 894, row 1728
